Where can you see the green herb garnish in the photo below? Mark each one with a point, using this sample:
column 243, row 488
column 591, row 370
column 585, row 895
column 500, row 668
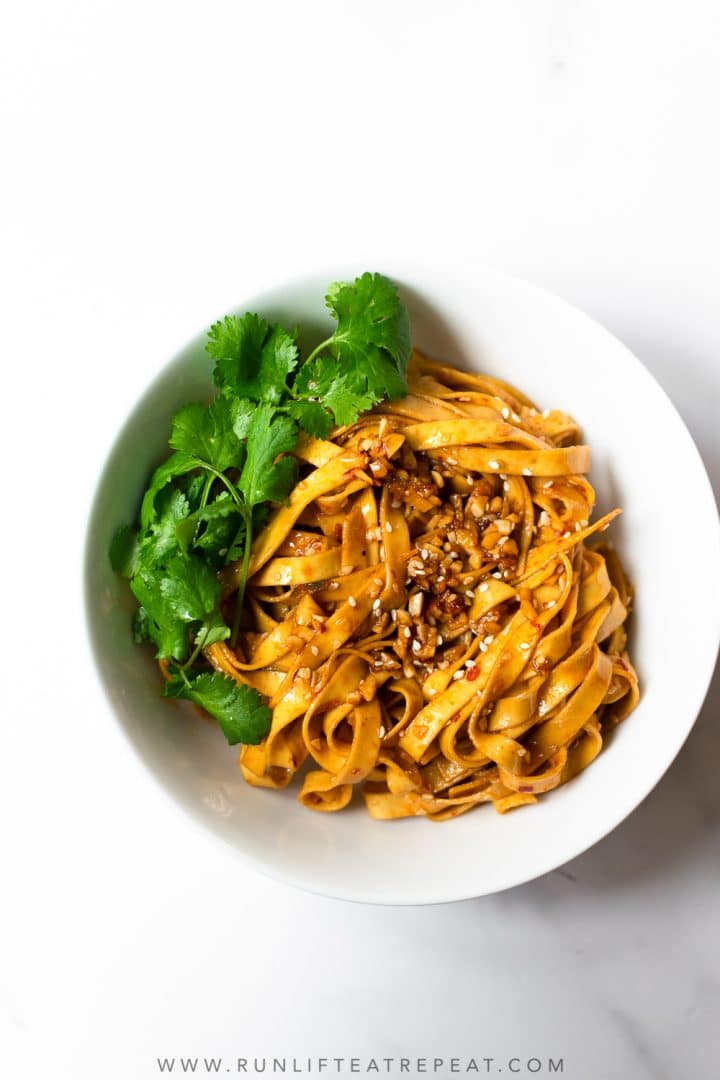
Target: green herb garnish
column 232, row 461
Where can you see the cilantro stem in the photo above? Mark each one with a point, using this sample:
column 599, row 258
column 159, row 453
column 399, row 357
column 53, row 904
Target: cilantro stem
column 228, row 484
column 183, row 676
column 318, row 349
column 206, row 490
column 240, row 598
column 209, row 481
column 194, row 655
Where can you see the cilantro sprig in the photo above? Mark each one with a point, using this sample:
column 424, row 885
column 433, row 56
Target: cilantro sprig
column 232, row 460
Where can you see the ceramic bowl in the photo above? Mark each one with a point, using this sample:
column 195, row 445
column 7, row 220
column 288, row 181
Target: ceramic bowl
column 643, row 459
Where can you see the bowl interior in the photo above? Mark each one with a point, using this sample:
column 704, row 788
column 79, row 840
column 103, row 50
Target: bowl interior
column 642, row 456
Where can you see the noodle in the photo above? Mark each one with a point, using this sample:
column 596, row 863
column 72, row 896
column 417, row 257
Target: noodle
column 424, row 614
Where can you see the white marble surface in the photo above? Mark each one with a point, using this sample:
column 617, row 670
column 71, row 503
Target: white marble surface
column 161, row 161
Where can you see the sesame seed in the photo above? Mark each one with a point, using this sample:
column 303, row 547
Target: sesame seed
column 388, row 527
column 458, row 675
column 546, row 413
column 451, row 461
column 483, row 647
column 505, row 413
column 506, row 485
column 484, row 587
column 578, row 526
column 488, row 639
column 376, row 604
column 424, row 554
column 524, row 646
column 547, row 484
column 416, row 646
column 493, row 464
column 352, row 601
column 314, row 650
column 395, row 504
column 439, row 639
column 470, row 593
column 415, row 604
column 566, row 534
column 527, row 472
column 406, row 631
column 334, row 585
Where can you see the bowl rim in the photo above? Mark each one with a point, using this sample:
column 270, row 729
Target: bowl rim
column 404, row 275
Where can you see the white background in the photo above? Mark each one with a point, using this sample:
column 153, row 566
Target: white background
column 160, row 161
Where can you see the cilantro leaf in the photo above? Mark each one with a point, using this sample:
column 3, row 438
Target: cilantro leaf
column 207, row 432
column 220, row 520
column 141, row 626
column 344, row 394
column 236, row 342
column 265, row 479
column 254, row 358
column 159, row 622
column 177, row 464
column 190, row 588
column 347, row 400
column 373, row 324
column 239, row 709
column 193, row 485
column 162, row 539
column 124, row 550
column 243, row 415
column 311, row 416
column 213, row 629
column 368, row 353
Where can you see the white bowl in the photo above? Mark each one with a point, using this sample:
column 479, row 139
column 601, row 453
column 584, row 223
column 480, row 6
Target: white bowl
column 643, row 460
